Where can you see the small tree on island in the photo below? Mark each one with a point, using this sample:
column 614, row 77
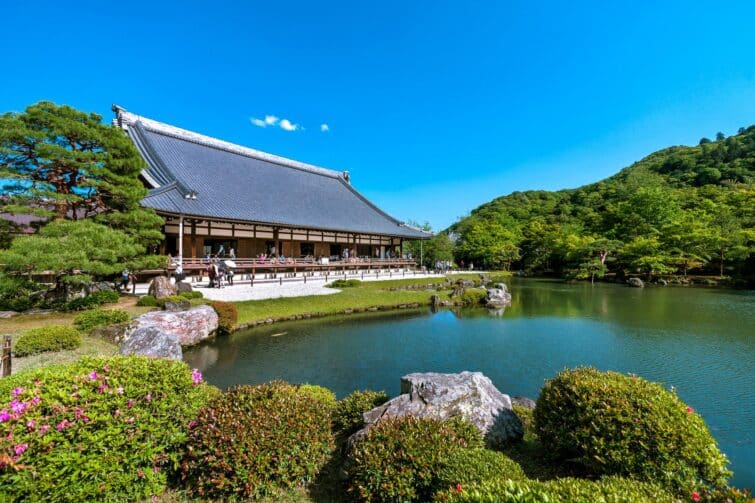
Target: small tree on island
column 81, row 178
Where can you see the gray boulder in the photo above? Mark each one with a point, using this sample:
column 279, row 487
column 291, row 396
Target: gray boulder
column 116, row 334
column 498, row 296
column 181, row 305
column 636, row 282
column 469, row 395
column 183, row 287
column 151, row 341
column 523, row 401
column 161, row 287
column 189, row 327
column 4, row 315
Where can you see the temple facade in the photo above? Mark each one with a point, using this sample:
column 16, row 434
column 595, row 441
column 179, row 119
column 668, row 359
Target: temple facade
column 216, row 196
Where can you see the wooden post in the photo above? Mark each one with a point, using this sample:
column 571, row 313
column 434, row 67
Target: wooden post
column 5, row 362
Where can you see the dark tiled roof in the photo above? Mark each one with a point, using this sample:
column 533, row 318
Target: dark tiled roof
column 202, row 176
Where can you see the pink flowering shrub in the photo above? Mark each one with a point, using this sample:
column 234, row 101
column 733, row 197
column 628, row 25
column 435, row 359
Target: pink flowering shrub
column 100, row 426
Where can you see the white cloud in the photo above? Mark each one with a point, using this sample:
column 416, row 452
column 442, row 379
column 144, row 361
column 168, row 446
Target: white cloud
column 258, row 122
column 324, row 128
column 286, row 125
column 271, row 120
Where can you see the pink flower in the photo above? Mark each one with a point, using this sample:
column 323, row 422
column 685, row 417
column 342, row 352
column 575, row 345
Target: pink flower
column 458, row 488
column 148, row 397
column 695, row 496
column 31, row 424
column 18, row 407
column 117, row 413
column 196, row 377
column 4, row 416
column 192, row 424
column 64, row 424
column 17, row 391
column 93, row 375
column 20, row 449
column 44, row 428
column 102, row 388
column 130, row 420
column 119, row 390
column 130, row 403
column 690, row 410
column 36, row 400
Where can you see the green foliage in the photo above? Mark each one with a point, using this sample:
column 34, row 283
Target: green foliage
column 172, row 298
column 347, row 418
column 622, row 425
column 398, row 460
column 92, row 300
column 466, row 466
column 344, row 283
column 565, row 490
column 525, row 415
column 322, row 395
column 16, row 293
column 88, row 320
column 677, row 210
column 473, row 296
column 147, row 301
column 46, row 339
column 227, row 316
column 255, row 441
column 194, row 294
column 98, row 428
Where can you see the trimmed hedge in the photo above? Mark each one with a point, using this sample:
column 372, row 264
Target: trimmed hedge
column 616, row 424
column 344, row 283
column 566, row 490
column 46, row 339
column 398, row 460
column 227, row 316
column 93, row 300
column 323, row 395
column 88, row 320
column 147, row 301
column 347, row 417
column 255, row 441
column 525, row 415
column 473, row 296
column 466, row 466
column 98, row 428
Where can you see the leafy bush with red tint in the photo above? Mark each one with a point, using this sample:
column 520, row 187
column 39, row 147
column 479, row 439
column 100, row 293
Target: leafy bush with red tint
column 100, row 428
column 615, row 424
column 347, row 417
column 255, row 441
column 399, row 459
column 227, row 316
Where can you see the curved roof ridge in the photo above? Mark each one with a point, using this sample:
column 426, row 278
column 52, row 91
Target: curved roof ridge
column 124, row 117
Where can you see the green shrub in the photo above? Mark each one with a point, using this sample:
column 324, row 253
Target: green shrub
column 45, row 339
column 255, row 441
column 616, row 424
column 473, row 296
column 192, row 295
column 227, row 316
column 16, row 294
column 344, row 283
column 398, row 460
column 525, row 415
column 147, row 301
column 347, row 417
column 100, row 428
column 466, row 466
column 566, row 490
column 323, row 395
column 87, row 320
column 93, row 300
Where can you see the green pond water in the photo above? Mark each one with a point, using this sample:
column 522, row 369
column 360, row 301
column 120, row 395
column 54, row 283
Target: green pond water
column 700, row 341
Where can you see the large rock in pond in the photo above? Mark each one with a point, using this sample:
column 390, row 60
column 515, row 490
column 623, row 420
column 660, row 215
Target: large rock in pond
column 636, row 282
column 151, row 341
column 498, row 296
column 161, row 287
column 469, row 395
column 189, row 327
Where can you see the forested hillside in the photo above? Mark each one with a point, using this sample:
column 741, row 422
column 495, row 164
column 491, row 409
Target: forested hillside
column 679, row 210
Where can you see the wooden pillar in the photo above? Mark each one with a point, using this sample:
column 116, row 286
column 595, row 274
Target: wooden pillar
column 193, row 239
column 181, row 240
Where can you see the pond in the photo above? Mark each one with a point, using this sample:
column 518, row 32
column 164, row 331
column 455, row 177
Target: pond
column 700, row 341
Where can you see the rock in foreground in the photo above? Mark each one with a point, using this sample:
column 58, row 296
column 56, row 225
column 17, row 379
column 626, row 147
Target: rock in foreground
column 189, row 327
column 469, row 395
column 150, row 341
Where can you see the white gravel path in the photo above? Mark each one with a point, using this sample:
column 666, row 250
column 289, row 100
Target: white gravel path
column 272, row 289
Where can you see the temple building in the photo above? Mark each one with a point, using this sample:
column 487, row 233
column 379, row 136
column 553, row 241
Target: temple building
column 216, row 196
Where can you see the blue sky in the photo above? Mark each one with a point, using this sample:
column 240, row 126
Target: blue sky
column 434, row 107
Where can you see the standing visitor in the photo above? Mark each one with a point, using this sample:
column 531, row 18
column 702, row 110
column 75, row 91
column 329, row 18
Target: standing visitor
column 179, row 274
column 211, row 274
column 232, row 254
